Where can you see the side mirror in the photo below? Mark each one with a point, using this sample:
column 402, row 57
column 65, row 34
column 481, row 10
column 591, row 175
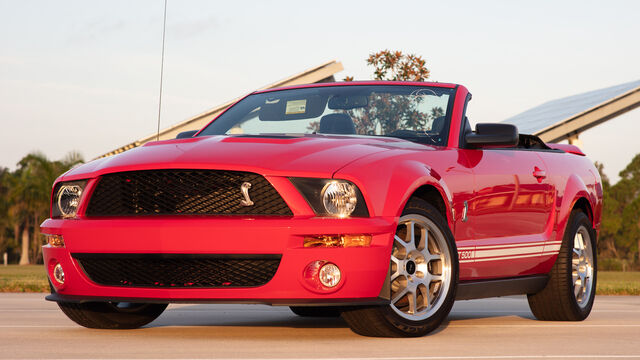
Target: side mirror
column 489, row 134
column 186, row 134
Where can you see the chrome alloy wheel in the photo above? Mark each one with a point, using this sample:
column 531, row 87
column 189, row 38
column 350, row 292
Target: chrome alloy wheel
column 420, row 268
column 582, row 266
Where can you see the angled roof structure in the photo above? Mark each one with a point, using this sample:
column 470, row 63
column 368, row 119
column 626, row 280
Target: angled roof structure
column 322, row 73
column 565, row 118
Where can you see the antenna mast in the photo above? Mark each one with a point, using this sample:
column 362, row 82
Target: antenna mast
column 164, row 29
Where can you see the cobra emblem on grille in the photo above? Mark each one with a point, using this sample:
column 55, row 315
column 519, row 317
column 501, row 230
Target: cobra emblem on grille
column 245, row 192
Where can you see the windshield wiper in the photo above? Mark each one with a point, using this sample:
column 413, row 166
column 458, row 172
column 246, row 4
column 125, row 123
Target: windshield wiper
column 413, row 135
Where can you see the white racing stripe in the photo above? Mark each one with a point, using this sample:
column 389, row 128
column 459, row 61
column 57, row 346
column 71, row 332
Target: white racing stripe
column 484, row 253
column 511, row 251
column 537, row 243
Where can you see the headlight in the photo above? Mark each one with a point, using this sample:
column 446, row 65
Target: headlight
column 331, row 197
column 66, row 199
column 339, row 198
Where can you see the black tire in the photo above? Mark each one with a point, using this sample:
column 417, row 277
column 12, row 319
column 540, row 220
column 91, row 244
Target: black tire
column 316, row 311
column 557, row 301
column 384, row 321
column 107, row 315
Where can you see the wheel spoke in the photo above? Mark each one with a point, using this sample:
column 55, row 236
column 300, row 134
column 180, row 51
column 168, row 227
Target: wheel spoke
column 433, row 257
column 423, row 241
column 398, row 266
column 400, row 242
column 577, row 291
column 410, row 244
column 396, row 274
column 413, row 301
column 426, row 297
column 579, row 244
column 400, row 294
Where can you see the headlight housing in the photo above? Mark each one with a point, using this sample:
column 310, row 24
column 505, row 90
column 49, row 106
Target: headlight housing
column 332, row 197
column 339, row 198
column 66, row 199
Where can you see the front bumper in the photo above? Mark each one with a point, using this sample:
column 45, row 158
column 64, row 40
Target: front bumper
column 364, row 269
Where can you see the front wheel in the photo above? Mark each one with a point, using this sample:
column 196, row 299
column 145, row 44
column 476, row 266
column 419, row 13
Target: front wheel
column 571, row 289
column 424, row 276
column 111, row 315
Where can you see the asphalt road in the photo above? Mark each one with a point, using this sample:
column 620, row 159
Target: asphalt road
column 501, row 328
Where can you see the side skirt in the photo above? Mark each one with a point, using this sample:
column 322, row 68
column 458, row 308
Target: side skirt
column 468, row 290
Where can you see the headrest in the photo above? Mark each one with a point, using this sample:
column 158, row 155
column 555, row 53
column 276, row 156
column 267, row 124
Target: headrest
column 438, row 124
column 337, row 124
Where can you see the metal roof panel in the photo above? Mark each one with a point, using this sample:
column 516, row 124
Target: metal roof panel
column 556, row 111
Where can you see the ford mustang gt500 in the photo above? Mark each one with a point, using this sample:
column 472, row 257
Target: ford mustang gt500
column 374, row 201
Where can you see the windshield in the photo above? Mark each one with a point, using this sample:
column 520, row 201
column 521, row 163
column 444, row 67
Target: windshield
column 417, row 113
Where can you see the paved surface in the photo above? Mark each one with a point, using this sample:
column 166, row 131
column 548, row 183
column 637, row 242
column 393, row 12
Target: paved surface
column 502, row 328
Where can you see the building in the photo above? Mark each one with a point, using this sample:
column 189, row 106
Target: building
column 318, row 74
column 566, row 118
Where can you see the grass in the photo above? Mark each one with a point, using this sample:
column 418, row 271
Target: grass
column 618, row 283
column 26, row 278
column 33, row 278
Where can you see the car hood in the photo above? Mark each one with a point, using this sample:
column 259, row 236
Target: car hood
column 308, row 155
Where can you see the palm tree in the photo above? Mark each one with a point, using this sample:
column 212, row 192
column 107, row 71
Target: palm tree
column 4, row 207
column 29, row 197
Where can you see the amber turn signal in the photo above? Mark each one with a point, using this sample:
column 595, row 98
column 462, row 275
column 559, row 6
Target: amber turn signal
column 358, row 240
column 55, row 240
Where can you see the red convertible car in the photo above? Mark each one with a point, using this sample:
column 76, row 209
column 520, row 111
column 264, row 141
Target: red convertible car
column 374, row 201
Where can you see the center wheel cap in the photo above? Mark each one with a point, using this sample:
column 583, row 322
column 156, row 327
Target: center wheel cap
column 410, row 267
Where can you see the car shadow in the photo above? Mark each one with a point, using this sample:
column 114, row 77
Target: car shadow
column 197, row 316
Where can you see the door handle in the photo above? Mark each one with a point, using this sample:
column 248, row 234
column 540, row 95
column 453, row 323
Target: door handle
column 539, row 173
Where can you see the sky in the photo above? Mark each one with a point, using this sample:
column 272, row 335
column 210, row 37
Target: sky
column 84, row 75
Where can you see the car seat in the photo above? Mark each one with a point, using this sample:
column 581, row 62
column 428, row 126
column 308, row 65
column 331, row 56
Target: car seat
column 338, row 123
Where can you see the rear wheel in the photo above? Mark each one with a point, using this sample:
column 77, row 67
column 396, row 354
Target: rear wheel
column 424, row 276
column 571, row 289
column 316, row 311
column 111, row 315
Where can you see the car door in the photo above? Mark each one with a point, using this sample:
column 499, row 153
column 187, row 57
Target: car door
column 509, row 214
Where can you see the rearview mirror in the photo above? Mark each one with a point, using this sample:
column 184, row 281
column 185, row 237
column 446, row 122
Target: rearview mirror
column 489, row 134
column 186, row 134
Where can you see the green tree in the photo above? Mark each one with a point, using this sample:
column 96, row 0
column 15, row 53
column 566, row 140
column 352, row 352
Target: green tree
column 387, row 113
column 627, row 193
column 611, row 218
column 396, row 66
column 5, row 175
column 620, row 230
column 26, row 196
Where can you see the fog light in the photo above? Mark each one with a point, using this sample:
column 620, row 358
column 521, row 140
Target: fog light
column 55, row 240
column 358, row 240
column 329, row 275
column 58, row 273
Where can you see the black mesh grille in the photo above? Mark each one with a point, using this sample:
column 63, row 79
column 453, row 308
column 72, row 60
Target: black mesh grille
column 179, row 271
column 184, row 192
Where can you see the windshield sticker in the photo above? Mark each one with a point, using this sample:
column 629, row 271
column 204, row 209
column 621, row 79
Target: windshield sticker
column 296, row 107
